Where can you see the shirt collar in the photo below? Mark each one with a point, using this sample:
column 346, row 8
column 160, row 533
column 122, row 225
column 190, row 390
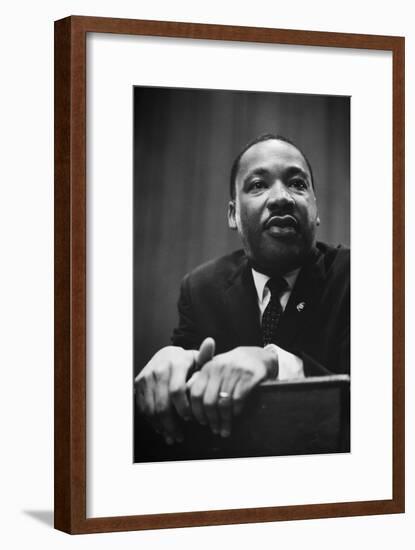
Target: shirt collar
column 260, row 280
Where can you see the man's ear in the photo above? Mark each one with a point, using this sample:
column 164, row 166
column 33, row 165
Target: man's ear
column 231, row 215
column 318, row 220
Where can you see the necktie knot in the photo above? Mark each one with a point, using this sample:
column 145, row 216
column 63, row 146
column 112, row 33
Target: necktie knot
column 277, row 285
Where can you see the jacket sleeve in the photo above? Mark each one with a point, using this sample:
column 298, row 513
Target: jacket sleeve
column 186, row 334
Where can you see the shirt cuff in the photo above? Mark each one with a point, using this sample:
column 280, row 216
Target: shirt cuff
column 290, row 366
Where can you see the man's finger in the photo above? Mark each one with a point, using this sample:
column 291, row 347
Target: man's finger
column 145, row 396
column 146, row 402
column 206, row 351
column 197, row 391
column 242, row 388
column 210, row 399
column 225, row 403
column 191, row 380
column 163, row 409
column 178, row 392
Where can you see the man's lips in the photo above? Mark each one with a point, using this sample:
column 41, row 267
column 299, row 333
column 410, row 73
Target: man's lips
column 281, row 221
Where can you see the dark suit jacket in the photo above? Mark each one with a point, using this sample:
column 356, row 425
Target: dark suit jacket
column 219, row 299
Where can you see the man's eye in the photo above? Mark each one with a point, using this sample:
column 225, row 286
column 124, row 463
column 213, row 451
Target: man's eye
column 298, row 183
column 257, row 184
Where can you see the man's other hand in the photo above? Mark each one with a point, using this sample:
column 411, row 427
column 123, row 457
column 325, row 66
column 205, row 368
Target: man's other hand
column 161, row 387
column 218, row 391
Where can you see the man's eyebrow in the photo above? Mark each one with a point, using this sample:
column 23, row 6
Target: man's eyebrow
column 257, row 172
column 288, row 173
column 297, row 171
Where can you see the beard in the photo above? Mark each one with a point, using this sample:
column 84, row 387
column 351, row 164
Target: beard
column 277, row 256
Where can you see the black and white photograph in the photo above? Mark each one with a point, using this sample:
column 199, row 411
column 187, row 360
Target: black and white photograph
column 241, row 273
column 206, row 281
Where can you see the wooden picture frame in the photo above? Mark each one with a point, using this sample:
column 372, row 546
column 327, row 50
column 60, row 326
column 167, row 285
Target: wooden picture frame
column 70, row 273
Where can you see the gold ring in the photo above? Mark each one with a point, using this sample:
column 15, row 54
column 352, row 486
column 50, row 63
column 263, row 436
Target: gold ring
column 224, row 395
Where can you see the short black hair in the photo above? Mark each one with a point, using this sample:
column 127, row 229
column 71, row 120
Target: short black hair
column 259, row 139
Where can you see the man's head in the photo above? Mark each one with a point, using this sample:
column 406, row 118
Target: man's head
column 273, row 205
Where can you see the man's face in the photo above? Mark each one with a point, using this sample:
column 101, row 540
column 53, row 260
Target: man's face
column 274, row 210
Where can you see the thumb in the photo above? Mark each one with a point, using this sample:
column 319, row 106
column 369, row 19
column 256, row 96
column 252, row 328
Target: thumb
column 206, row 351
column 205, row 354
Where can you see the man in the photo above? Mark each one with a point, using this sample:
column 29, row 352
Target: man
column 277, row 309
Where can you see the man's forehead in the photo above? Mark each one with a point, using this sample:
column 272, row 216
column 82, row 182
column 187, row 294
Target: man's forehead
column 270, row 155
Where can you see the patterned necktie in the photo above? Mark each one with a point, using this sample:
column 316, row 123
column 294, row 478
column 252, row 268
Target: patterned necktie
column 273, row 311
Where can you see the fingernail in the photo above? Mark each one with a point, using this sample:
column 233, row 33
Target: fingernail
column 225, row 433
column 169, row 440
column 215, row 430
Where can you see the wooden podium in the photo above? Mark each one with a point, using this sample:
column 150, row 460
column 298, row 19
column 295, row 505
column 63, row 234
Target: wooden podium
column 296, row 417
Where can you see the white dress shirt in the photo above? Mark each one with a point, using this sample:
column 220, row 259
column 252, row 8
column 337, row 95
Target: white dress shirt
column 290, row 366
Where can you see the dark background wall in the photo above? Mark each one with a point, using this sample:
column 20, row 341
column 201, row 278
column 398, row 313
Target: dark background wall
column 184, row 145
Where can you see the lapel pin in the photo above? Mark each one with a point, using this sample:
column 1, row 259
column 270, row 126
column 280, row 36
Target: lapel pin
column 300, row 306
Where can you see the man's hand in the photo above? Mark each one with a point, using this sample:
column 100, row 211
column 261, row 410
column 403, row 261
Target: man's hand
column 218, row 390
column 161, row 387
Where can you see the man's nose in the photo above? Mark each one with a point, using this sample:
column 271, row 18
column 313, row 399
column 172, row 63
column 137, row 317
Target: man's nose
column 279, row 195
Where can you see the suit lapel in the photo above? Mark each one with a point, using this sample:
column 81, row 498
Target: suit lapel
column 303, row 300
column 241, row 303
column 242, row 306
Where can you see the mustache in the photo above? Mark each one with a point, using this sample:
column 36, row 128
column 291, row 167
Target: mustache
column 281, row 220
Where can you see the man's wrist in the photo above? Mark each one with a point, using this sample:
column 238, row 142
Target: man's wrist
column 272, row 363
